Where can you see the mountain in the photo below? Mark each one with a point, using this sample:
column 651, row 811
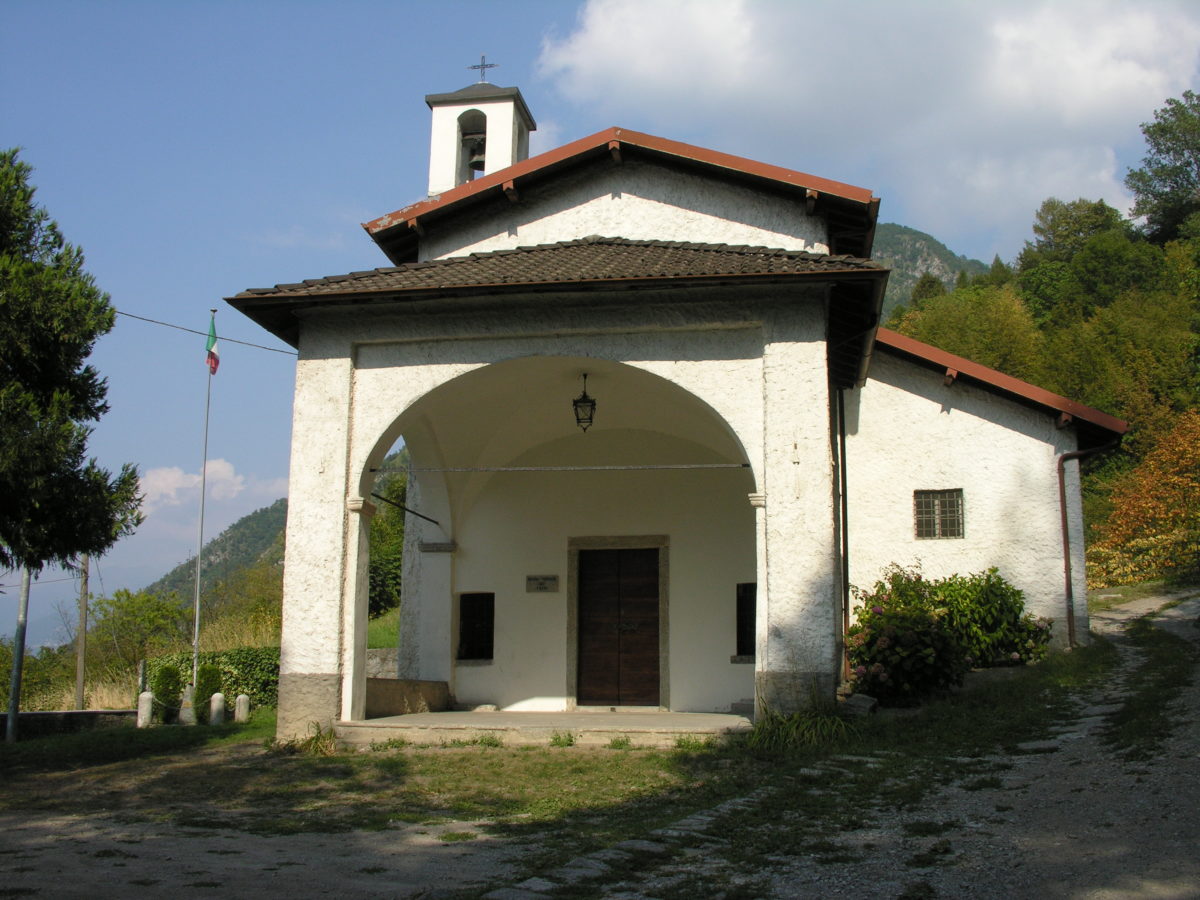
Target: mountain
column 239, row 546
column 911, row 254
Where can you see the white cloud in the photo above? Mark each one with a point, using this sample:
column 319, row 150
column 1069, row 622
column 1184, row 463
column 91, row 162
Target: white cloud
column 962, row 117
column 171, row 486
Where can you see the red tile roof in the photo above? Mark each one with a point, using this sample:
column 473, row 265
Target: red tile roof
column 851, row 210
column 1098, row 426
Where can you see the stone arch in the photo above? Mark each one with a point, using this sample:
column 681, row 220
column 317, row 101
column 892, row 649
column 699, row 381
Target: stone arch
column 516, row 412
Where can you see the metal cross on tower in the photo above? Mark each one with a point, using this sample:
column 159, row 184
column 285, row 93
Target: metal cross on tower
column 483, row 66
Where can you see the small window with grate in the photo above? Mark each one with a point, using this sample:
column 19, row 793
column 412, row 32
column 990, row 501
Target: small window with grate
column 476, row 625
column 938, row 514
column 747, row 595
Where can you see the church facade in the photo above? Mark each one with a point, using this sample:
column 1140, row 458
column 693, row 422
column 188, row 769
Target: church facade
column 655, row 433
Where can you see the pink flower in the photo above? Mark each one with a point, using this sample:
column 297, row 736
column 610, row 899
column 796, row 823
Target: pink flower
column 876, row 609
column 1015, row 655
column 860, row 671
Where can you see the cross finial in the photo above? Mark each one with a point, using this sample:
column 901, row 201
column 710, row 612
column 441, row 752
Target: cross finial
column 483, row 66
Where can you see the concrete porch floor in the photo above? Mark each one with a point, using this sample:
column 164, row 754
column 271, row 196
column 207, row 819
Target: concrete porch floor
column 650, row 728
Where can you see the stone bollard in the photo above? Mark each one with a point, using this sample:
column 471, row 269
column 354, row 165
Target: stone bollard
column 241, row 709
column 216, row 709
column 187, row 709
column 145, row 709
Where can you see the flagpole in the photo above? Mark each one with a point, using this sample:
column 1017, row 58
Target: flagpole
column 200, row 526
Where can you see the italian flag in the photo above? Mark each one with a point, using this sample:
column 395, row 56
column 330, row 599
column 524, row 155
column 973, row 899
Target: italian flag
column 214, row 356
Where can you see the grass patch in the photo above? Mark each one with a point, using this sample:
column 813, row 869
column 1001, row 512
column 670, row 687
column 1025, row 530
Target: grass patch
column 621, row 742
column 1109, row 597
column 109, row 745
column 384, row 630
column 562, row 739
column 454, row 837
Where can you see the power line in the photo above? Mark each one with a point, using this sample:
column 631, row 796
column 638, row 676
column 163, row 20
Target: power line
column 224, row 339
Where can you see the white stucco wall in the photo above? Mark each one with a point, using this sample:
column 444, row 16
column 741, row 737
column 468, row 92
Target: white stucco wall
column 477, row 389
column 634, row 200
column 909, row 431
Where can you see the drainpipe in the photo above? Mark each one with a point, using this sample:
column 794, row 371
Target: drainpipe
column 845, row 530
column 1063, row 458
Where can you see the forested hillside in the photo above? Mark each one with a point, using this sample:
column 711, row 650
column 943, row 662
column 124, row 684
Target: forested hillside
column 911, row 254
column 241, row 545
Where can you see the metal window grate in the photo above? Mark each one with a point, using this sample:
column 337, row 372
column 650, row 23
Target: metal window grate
column 938, row 514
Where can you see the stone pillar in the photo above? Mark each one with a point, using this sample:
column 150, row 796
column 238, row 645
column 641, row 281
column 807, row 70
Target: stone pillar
column 216, row 709
column 310, row 677
column 241, row 708
column 355, row 607
column 187, row 709
column 145, row 709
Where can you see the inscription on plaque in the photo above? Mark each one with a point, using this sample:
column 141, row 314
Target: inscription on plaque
column 541, row 584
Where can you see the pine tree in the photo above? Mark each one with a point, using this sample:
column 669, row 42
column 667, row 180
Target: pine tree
column 57, row 503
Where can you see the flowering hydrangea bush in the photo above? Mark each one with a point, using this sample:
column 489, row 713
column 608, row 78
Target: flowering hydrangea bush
column 914, row 636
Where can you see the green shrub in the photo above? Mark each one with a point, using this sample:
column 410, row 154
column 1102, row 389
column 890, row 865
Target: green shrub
column 900, row 655
column 253, row 671
column 208, row 682
column 988, row 616
column 914, row 636
column 166, row 683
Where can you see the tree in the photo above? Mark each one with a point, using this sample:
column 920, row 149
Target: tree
column 1154, row 528
column 1061, row 229
column 989, row 325
column 58, row 504
column 1166, row 189
column 928, row 285
column 131, row 624
column 387, row 537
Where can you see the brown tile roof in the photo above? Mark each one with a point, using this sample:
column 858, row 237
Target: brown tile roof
column 575, row 262
column 602, row 263
column 851, row 211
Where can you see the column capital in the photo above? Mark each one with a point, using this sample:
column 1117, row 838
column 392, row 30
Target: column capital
column 362, row 506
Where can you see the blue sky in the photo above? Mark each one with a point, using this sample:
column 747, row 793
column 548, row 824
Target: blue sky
column 195, row 149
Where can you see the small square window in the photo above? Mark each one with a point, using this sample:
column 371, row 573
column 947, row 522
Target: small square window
column 938, row 514
column 476, row 625
column 747, row 598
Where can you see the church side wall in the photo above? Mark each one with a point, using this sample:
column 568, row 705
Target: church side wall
column 638, row 201
column 909, row 431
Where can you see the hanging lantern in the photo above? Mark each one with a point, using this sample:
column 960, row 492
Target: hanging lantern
column 584, row 406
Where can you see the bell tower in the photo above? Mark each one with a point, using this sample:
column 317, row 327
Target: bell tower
column 482, row 128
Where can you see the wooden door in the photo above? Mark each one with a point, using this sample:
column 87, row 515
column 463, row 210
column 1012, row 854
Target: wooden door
column 618, row 627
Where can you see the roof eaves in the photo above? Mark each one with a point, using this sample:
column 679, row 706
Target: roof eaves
column 613, row 141
column 998, row 381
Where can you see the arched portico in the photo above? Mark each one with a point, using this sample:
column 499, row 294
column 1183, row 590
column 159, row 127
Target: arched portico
column 521, row 495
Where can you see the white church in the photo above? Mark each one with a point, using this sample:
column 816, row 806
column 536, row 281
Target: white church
column 656, row 433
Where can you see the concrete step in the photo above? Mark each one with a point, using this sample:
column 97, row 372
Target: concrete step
column 585, row 729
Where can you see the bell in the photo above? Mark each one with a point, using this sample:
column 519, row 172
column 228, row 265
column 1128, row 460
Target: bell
column 475, row 160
